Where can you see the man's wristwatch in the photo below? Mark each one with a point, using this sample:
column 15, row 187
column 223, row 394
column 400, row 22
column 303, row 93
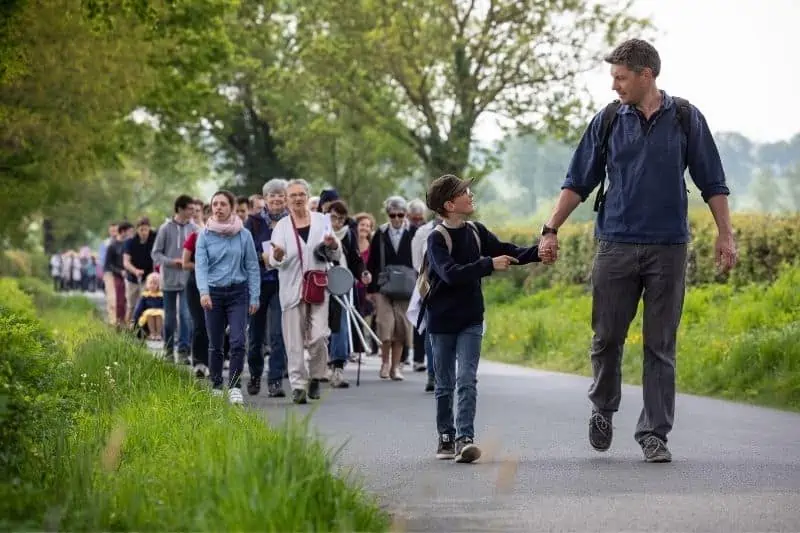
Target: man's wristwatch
column 547, row 229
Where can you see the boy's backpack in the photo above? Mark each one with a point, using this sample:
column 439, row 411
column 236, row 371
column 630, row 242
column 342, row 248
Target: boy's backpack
column 423, row 283
column 683, row 111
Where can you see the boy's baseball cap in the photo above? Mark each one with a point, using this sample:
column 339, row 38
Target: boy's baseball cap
column 445, row 188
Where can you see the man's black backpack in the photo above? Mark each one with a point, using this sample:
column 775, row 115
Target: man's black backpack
column 683, row 113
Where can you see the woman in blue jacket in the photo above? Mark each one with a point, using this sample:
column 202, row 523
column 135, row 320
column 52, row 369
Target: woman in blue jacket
column 228, row 279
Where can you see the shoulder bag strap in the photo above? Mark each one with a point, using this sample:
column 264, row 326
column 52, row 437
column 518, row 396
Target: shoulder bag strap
column 299, row 244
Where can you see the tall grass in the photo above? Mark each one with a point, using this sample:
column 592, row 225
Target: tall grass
column 736, row 343
column 140, row 445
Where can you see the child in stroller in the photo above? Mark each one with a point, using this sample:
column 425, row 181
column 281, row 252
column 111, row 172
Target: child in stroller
column 148, row 317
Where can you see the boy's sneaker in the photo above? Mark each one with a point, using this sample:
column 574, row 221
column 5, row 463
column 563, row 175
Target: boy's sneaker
column 655, row 450
column 466, row 450
column 235, row 396
column 430, row 386
column 447, row 447
column 600, row 432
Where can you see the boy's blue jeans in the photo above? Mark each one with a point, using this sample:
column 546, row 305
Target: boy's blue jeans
column 455, row 358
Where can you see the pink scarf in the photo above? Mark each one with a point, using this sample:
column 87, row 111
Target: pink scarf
column 230, row 227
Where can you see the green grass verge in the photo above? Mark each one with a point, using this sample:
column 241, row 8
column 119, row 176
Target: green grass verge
column 99, row 435
column 735, row 343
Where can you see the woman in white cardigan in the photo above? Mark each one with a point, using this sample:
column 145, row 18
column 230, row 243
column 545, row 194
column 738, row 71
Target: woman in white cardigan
column 305, row 325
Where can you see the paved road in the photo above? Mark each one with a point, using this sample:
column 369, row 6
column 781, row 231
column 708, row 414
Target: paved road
column 736, row 467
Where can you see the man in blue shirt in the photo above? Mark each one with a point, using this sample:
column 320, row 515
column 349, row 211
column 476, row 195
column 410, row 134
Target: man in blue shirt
column 642, row 231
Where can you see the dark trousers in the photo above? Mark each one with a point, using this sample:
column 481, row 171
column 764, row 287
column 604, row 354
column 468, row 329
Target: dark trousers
column 199, row 333
column 227, row 304
column 269, row 306
column 622, row 275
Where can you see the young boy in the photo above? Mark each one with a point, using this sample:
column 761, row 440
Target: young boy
column 454, row 308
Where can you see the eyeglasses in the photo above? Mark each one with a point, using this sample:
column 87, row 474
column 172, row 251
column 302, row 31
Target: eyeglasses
column 397, row 215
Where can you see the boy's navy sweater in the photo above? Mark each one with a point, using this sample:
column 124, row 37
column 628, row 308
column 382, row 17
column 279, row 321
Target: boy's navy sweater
column 456, row 299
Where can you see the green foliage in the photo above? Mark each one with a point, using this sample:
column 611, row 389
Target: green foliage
column 97, row 434
column 740, row 343
column 19, row 263
column 425, row 71
column 765, row 243
column 60, row 112
column 35, row 402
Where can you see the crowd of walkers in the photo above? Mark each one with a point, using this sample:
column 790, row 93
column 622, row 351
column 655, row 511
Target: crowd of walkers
column 225, row 283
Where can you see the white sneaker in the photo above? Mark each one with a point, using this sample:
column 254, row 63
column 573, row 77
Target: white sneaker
column 216, row 392
column 201, row 371
column 235, row 396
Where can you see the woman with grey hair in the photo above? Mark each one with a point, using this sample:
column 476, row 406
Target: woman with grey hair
column 296, row 242
column 266, row 322
column 393, row 278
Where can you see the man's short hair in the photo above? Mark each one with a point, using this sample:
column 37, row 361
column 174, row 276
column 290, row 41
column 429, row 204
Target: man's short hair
column 183, row 201
column 124, row 226
column 637, row 55
column 253, row 199
column 242, row 200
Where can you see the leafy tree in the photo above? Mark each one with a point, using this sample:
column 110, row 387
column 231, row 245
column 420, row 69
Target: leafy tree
column 145, row 183
column 445, row 63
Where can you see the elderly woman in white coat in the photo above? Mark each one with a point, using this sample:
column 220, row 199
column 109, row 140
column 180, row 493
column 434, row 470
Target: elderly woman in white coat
column 295, row 239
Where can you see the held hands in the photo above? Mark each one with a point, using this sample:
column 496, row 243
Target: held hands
column 725, row 253
column 503, row 262
column 205, row 302
column 548, row 248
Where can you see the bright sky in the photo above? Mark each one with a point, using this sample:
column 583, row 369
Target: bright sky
column 731, row 58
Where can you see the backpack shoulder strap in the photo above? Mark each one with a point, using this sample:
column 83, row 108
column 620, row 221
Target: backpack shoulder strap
column 683, row 114
column 446, row 234
column 607, row 121
column 475, row 233
column 683, row 111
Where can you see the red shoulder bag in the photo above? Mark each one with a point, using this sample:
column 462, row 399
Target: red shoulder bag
column 315, row 282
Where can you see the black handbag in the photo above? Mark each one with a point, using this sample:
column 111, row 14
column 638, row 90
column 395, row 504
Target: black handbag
column 396, row 282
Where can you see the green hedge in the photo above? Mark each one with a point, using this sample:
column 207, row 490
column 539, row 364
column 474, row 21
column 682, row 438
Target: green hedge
column 96, row 434
column 765, row 243
column 740, row 343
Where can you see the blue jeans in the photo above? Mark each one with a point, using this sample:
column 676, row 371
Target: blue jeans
column 171, row 311
column 463, row 348
column 340, row 343
column 270, row 305
column 229, row 305
column 429, row 354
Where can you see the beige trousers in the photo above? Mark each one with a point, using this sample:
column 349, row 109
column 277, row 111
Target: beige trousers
column 305, row 327
column 111, row 298
column 133, row 291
